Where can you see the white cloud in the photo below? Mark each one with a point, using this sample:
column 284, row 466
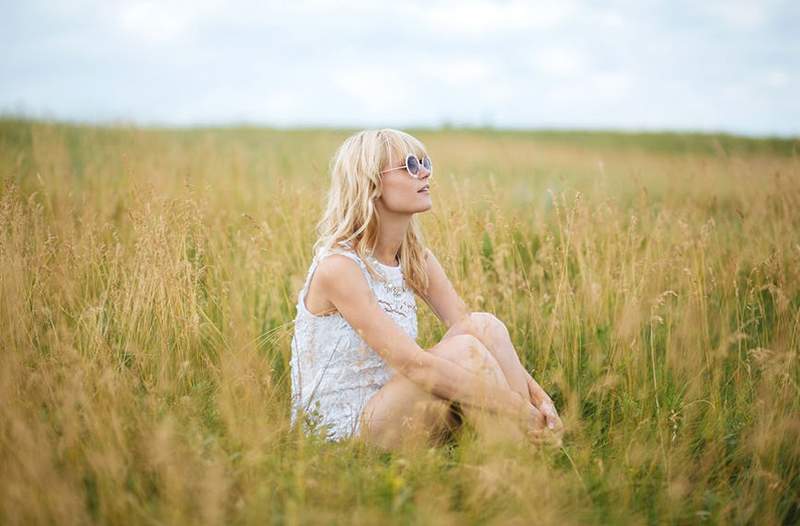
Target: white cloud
column 777, row 79
column 740, row 14
column 476, row 18
column 457, row 71
column 611, row 85
column 376, row 87
column 152, row 22
column 559, row 61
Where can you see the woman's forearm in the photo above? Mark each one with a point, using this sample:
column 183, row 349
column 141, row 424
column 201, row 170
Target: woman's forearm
column 450, row 381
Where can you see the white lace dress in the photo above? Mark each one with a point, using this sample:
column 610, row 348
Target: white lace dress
column 333, row 370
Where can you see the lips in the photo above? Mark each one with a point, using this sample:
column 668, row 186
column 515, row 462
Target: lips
column 426, row 187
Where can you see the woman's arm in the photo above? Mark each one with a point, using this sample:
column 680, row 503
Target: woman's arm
column 345, row 286
column 441, row 296
column 450, row 308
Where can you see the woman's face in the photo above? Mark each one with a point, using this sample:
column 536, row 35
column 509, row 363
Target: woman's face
column 401, row 192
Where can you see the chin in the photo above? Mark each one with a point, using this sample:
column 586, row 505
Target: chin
column 420, row 207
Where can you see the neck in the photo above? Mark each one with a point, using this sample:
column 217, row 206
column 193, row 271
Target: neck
column 390, row 237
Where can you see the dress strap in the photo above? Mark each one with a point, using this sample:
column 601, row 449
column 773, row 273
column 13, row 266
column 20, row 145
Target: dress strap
column 352, row 255
column 320, row 256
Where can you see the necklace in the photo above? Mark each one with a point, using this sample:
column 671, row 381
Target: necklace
column 394, row 289
column 406, row 307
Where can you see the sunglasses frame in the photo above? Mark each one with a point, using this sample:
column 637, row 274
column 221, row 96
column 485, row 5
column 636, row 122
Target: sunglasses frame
column 420, row 161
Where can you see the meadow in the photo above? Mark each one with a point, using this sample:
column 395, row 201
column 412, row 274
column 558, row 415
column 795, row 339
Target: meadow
column 148, row 282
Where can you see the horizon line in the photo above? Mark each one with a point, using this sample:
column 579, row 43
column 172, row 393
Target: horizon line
column 443, row 126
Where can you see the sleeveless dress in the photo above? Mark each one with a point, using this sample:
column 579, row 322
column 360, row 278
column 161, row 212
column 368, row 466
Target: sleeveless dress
column 334, row 372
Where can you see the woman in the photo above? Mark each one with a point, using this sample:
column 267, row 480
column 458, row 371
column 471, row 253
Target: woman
column 357, row 370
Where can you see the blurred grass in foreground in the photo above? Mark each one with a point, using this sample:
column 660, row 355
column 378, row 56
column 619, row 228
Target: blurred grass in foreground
column 148, row 288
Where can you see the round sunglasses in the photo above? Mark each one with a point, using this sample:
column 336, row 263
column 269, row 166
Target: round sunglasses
column 413, row 164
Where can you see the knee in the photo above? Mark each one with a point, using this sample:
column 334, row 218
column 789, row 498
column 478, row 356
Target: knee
column 466, row 350
column 488, row 324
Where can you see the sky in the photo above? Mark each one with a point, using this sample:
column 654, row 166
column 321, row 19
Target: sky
column 731, row 66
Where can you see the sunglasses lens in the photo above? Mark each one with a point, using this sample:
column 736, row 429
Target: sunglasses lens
column 426, row 162
column 413, row 165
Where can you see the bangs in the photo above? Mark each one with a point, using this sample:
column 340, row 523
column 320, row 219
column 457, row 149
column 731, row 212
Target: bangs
column 399, row 144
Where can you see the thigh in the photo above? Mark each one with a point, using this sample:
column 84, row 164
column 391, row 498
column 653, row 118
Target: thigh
column 403, row 415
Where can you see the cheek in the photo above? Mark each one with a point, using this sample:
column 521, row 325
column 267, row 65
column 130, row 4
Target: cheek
column 396, row 193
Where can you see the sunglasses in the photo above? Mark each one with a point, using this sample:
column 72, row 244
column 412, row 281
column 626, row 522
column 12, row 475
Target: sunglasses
column 413, row 165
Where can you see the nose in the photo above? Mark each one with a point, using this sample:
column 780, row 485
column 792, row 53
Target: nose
column 424, row 173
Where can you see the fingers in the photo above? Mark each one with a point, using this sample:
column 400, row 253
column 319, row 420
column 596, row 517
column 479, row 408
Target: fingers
column 543, row 402
column 538, row 395
column 538, row 420
column 549, row 411
column 553, row 420
column 543, row 437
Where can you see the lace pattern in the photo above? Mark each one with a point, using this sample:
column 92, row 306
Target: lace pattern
column 333, row 370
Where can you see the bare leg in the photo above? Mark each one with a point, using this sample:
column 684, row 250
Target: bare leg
column 471, row 354
column 493, row 333
column 402, row 415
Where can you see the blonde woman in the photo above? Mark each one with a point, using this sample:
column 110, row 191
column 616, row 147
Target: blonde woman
column 356, row 368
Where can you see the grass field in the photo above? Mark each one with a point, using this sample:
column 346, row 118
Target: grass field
column 148, row 280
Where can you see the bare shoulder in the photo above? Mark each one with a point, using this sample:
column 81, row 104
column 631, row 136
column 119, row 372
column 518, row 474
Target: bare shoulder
column 339, row 273
column 333, row 265
column 334, row 273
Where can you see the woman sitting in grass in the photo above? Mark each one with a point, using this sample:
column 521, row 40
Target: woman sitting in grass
column 357, row 369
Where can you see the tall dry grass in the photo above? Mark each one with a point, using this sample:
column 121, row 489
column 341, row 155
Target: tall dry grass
column 148, row 288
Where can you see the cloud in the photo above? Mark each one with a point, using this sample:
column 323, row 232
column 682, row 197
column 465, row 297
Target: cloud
column 458, row 18
column 564, row 62
column 742, row 14
column 778, row 79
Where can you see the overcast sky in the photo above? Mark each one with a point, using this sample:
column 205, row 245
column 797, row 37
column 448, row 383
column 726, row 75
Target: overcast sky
column 702, row 65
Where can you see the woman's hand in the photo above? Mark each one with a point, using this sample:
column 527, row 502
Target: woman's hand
column 544, row 406
column 535, row 425
column 536, row 429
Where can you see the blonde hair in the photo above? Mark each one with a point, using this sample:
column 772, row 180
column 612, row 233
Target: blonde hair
column 350, row 217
